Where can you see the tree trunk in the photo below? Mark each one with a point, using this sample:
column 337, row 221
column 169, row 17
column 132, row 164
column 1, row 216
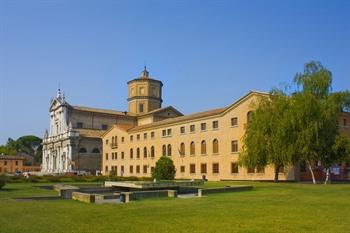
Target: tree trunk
column 328, row 176
column 312, row 172
column 276, row 173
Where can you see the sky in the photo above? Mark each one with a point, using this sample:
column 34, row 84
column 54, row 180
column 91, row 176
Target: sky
column 207, row 53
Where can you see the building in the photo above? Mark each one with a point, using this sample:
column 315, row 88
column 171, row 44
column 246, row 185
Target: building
column 73, row 142
column 11, row 164
column 205, row 144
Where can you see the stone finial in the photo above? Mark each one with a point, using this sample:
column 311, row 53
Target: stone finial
column 145, row 73
column 46, row 135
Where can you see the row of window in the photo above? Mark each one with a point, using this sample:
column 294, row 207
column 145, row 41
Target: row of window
column 80, row 125
column 84, row 150
column 5, row 163
column 215, row 169
column 167, row 150
column 168, row 132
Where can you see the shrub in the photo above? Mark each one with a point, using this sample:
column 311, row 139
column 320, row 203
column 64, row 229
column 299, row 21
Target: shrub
column 164, row 170
column 2, row 181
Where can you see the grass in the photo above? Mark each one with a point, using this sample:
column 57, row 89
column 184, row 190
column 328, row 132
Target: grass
column 284, row 207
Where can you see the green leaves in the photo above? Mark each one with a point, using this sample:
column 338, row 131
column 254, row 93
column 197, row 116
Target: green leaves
column 164, row 170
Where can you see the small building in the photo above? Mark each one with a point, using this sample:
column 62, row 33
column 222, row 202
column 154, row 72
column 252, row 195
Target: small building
column 10, row 164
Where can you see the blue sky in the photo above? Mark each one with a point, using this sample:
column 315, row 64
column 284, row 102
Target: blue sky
column 207, row 53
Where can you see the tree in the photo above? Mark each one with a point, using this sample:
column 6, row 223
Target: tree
column 268, row 134
column 164, row 169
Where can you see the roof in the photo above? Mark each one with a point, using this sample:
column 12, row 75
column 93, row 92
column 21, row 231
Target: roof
column 12, row 157
column 90, row 133
column 180, row 118
column 121, row 126
column 99, row 110
column 160, row 110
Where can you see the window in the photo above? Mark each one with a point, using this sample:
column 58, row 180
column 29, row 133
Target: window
column 82, row 150
column 215, row 124
column 260, row 169
column 203, row 147
column 250, row 169
column 192, row 148
column 169, row 132
column 182, row 169
column 138, row 137
column 192, row 128
column 106, row 168
column 104, row 127
column 144, row 136
column 131, row 153
column 234, row 122
column 122, row 170
column 16, row 163
column 106, row 141
column 116, row 155
column 234, row 168
column 80, row 125
column 249, row 116
column 144, row 152
column 106, row 156
column 138, row 169
column 123, row 139
column 144, row 169
column 140, row 107
column 138, row 153
column 182, row 149
column 182, row 129
column 122, row 155
column 215, row 146
column 164, row 150
column 234, row 146
column 112, row 156
column 5, row 163
column 152, row 151
column 215, row 168
column 281, row 169
column 152, row 135
column 96, row 151
column 164, row 133
column 203, row 168
column 142, row 90
column 192, row 168
column 203, row 126
column 169, row 150
column 131, row 138
column 131, row 169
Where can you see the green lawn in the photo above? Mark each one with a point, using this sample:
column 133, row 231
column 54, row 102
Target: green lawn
column 285, row 207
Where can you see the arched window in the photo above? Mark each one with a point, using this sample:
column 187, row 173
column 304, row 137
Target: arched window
column 152, row 151
column 138, row 153
column 131, row 153
column 144, row 152
column 82, row 150
column 182, row 149
column 249, row 116
column 192, row 148
column 96, row 150
column 169, row 150
column 215, row 146
column 203, row 147
column 164, row 150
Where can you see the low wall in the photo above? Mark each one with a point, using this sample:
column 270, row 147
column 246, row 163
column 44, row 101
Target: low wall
column 224, row 189
column 65, row 191
column 83, row 197
column 138, row 195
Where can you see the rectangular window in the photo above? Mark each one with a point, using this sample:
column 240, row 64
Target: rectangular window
column 106, row 156
column 192, row 168
column 80, row 125
column 104, row 127
column 234, row 168
column 122, row 170
column 260, row 169
column 116, row 155
column 141, row 108
column 250, row 169
column 203, row 168
column 234, row 122
column 152, row 135
column 145, row 169
column 138, row 137
column 145, row 136
column 152, row 169
column 203, row 126
column 234, row 146
column 16, row 163
column 5, row 163
column 164, row 133
column 106, row 141
column 138, row 169
column 131, row 138
column 106, row 168
column 123, row 139
column 192, row 128
column 122, row 155
column 215, row 168
column 182, row 169
column 131, row 169
column 215, row 124
column 182, row 129
column 169, row 132
column 112, row 155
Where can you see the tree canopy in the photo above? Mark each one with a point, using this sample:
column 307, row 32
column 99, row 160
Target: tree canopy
column 164, row 169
